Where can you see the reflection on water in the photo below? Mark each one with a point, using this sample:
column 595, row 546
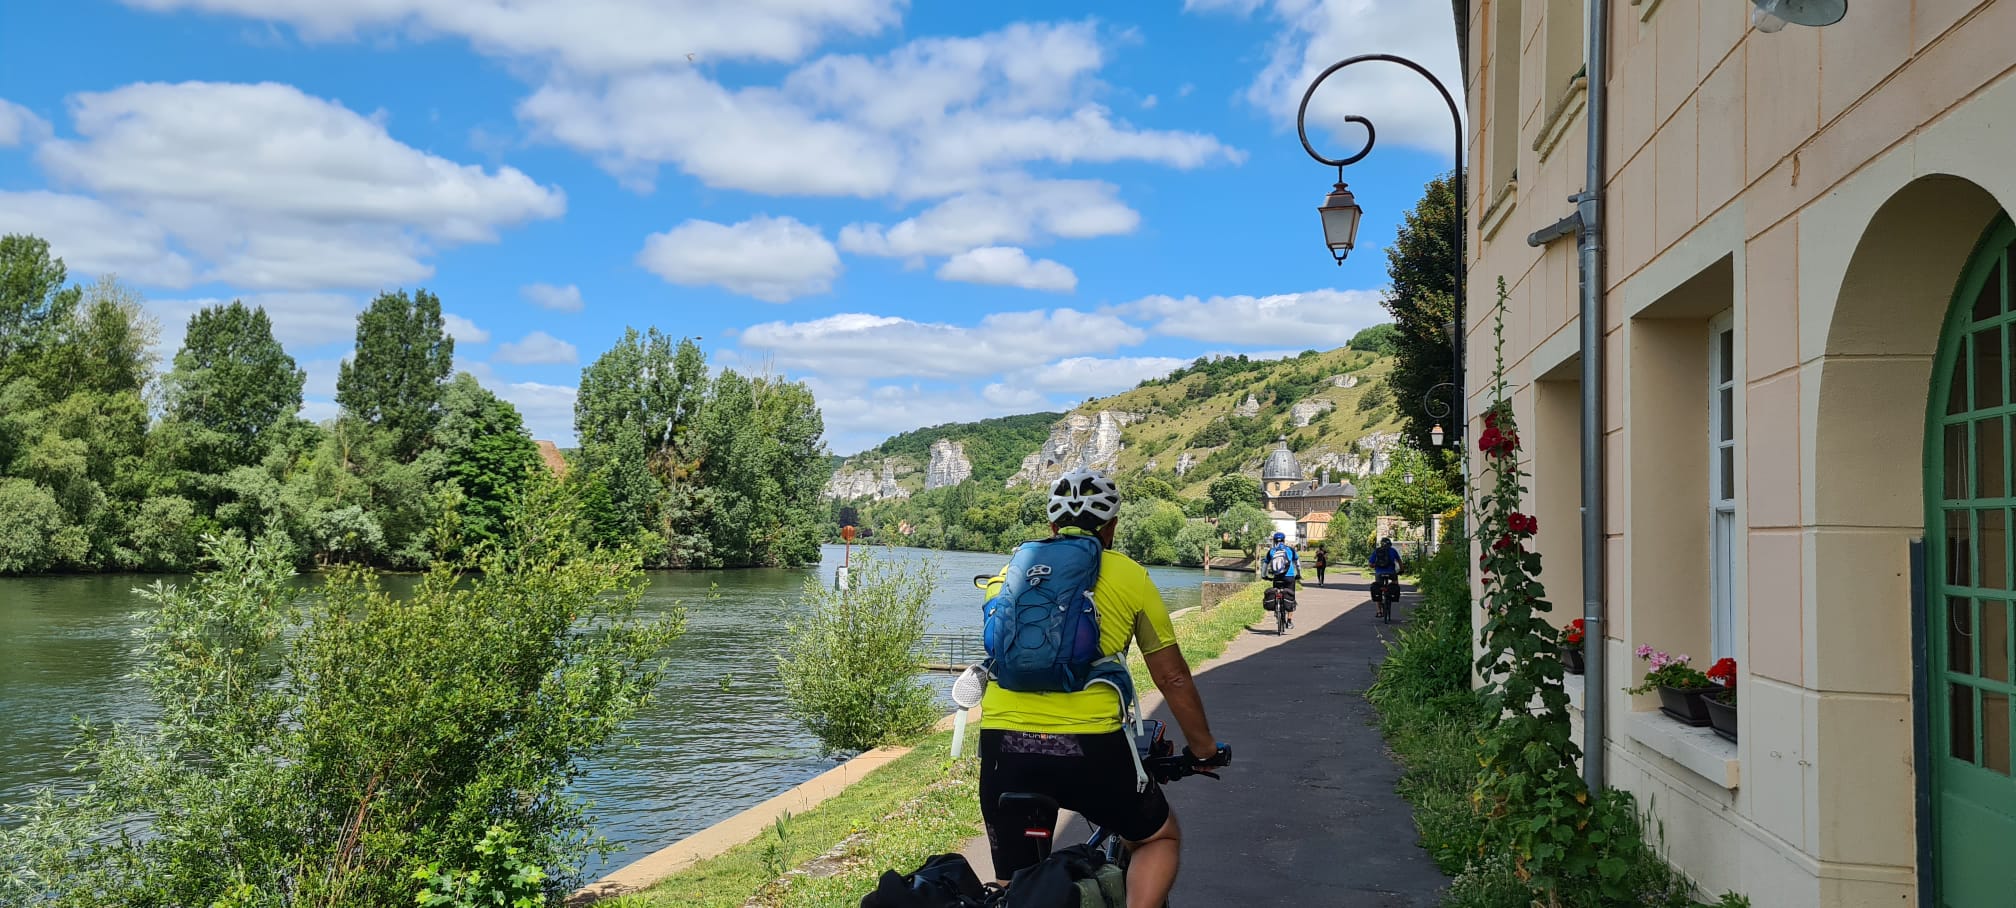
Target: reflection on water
column 701, row 753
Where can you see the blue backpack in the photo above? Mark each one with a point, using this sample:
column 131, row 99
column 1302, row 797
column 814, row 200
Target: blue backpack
column 1042, row 629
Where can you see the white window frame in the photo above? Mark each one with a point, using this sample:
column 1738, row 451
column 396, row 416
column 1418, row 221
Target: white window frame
column 1722, row 530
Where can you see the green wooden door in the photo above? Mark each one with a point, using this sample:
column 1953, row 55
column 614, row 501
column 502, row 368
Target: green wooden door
column 1972, row 684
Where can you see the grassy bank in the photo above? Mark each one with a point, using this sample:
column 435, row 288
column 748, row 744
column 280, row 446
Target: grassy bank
column 921, row 804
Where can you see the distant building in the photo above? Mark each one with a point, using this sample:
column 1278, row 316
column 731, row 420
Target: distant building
column 1290, row 499
column 549, row 454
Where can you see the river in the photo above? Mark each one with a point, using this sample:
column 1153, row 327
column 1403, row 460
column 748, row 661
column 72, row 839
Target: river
column 702, row 753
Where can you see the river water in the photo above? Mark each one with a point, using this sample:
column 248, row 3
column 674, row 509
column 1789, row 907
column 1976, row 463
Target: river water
column 701, row 754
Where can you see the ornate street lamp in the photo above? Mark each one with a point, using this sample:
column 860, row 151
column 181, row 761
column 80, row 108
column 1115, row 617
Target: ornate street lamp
column 1341, row 213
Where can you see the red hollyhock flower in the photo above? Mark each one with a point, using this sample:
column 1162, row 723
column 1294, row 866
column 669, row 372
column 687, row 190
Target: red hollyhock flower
column 1521, row 523
column 1504, row 542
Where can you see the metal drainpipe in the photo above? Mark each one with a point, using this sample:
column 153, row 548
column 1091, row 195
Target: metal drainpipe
column 1590, row 244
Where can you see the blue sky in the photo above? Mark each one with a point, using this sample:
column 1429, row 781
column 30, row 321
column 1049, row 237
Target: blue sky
column 927, row 211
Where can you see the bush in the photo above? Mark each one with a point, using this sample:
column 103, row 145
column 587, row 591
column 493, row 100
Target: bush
column 850, row 668
column 30, row 519
column 1148, row 531
column 363, row 738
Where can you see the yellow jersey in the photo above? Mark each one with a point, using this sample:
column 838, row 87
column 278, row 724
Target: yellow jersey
column 1130, row 609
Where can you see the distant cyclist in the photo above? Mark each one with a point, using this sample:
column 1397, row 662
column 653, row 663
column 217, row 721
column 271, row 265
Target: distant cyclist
column 1386, row 565
column 1284, row 568
column 1066, row 740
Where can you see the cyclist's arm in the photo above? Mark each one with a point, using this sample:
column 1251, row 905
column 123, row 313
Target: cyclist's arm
column 1168, row 669
column 1179, row 689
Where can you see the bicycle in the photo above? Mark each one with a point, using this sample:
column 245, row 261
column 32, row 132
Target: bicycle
column 1385, row 594
column 1038, row 813
column 1280, row 599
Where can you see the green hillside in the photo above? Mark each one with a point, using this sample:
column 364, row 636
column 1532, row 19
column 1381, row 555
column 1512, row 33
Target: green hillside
column 995, row 447
column 1194, row 411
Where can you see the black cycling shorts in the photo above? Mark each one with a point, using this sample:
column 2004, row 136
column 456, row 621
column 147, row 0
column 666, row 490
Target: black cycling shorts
column 1092, row 775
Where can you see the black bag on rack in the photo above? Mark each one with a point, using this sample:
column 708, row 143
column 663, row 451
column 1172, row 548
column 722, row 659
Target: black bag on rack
column 945, row 881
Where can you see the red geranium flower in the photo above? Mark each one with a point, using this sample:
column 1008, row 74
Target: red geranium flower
column 1572, row 634
column 1723, row 671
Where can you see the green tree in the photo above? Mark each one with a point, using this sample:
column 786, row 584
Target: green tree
column 1421, row 268
column 1429, row 493
column 1148, row 530
column 1248, row 526
column 404, row 355
column 1382, row 339
column 481, row 446
column 635, row 417
column 1197, row 541
column 850, row 668
column 233, row 381
column 379, row 737
column 33, row 301
column 1230, row 490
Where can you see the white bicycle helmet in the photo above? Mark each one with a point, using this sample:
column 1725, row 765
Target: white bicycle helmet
column 1086, row 492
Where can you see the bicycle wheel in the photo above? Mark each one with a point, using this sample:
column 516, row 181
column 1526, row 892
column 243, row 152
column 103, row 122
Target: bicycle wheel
column 1280, row 617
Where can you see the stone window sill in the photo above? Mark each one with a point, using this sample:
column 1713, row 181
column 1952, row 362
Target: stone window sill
column 1500, row 209
column 1565, row 110
column 1701, row 750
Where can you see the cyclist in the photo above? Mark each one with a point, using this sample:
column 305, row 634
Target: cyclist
column 1070, row 746
column 1283, row 567
column 1385, row 562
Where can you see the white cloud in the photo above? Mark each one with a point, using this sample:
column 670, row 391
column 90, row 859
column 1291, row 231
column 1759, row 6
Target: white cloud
column 933, row 117
column 1008, row 266
column 1318, row 319
column 463, row 330
column 1018, row 213
column 94, row 238
column 315, row 410
column 20, row 126
column 865, row 346
column 594, row 35
column 301, row 321
column 548, row 296
column 280, row 189
column 860, row 416
column 1148, row 103
column 1081, row 376
column 538, row 348
column 771, row 259
column 548, row 409
column 1404, row 107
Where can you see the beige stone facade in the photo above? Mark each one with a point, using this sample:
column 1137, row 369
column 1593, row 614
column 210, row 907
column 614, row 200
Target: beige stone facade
column 1813, row 200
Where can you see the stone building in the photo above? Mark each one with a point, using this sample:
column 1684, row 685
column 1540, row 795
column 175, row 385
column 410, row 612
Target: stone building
column 1284, row 492
column 1806, row 367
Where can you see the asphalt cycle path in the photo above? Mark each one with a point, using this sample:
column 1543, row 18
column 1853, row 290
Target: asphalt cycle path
column 1306, row 815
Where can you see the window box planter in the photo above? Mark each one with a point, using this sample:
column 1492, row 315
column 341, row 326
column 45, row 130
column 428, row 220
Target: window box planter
column 1571, row 659
column 1686, row 706
column 1721, row 716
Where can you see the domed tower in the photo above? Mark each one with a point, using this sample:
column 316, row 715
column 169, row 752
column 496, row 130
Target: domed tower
column 1280, row 471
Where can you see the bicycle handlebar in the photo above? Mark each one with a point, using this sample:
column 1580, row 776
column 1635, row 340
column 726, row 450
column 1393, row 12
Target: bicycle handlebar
column 1181, row 764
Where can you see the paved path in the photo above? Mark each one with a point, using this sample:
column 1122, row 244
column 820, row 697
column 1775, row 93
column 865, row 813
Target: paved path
column 1306, row 815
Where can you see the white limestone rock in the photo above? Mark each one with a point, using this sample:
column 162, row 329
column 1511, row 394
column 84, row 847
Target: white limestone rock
column 1308, row 410
column 1249, row 409
column 1078, row 441
column 949, row 466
